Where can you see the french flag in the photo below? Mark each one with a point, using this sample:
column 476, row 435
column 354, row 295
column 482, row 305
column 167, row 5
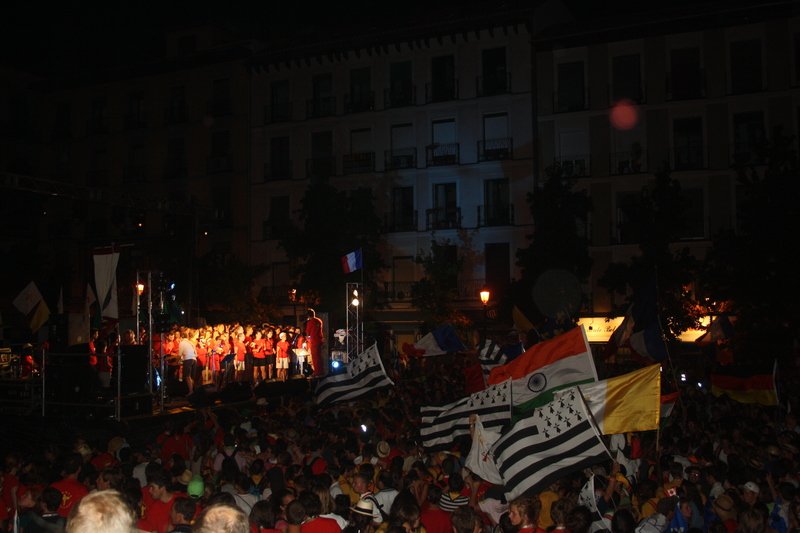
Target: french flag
column 352, row 261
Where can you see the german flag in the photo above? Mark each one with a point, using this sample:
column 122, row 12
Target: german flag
column 745, row 385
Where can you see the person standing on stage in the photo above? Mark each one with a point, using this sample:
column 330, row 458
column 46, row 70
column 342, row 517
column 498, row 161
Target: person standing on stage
column 282, row 356
column 314, row 338
column 188, row 355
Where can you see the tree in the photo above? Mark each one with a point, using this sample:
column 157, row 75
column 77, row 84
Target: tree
column 433, row 295
column 751, row 267
column 333, row 223
column 558, row 250
column 655, row 221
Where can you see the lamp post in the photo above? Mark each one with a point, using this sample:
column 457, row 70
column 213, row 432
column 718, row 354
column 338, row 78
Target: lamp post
column 485, row 294
column 139, row 292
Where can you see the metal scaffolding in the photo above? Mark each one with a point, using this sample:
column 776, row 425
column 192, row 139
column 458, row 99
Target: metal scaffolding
column 354, row 298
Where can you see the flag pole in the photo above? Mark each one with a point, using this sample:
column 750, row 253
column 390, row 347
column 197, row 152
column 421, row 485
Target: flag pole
column 664, row 341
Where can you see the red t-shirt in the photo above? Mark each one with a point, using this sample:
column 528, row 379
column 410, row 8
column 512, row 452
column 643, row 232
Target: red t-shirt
column 180, row 444
column 321, row 525
column 283, row 351
column 156, row 515
column 9, row 485
column 436, row 520
column 240, row 350
column 258, row 348
column 72, row 491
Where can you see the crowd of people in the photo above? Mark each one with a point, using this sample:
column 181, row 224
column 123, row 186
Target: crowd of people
column 291, row 466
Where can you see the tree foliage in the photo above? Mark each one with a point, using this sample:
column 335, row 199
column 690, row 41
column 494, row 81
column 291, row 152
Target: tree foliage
column 435, row 294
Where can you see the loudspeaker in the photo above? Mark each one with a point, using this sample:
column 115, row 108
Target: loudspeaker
column 236, row 392
column 135, row 364
column 136, row 405
column 203, row 396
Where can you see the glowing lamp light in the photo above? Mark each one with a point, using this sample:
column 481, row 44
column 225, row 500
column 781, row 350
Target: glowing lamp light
column 485, row 294
column 139, row 288
column 624, row 115
column 355, row 302
column 335, row 364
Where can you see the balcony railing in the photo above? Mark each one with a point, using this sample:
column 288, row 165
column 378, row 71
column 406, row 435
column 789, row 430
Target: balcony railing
column 496, row 215
column 320, row 167
column 495, row 149
column 500, row 83
column 630, row 162
column 689, row 157
column 442, row 154
column 400, row 158
column 567, row 100
column 321, row 107
column 635, row 94
column 441, row 91
column 359, row 102
column 278, row 169
column 400, row 97
column 575, row 166
column 743, row 153
column 281, row 112
column 687, row 86
column 358, row 163
column 399, row 222
column 442, row 218
column 219, row 163
column 220, row 107
column 175, row 115
column 396, row 291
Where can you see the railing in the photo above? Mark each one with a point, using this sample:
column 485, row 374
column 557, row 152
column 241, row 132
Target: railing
column 281, row 112
column 278, row 169
column 400, row 158
column 629, row 162
column 396, row 290
column 442, row 154
column 441, row 91
column 687, row 87
column 220, row 107
column 442, row 218
column 743, row 153
column 689, row 157
column 500, row 83
column 616, row 94
column 358, row 163
column 496, row 215
column 321, row 107
column 496, row 149
column 359, row 103
column 567, row 100
column 399, row 222
column 175, row 115
column 575, row 166
column 321, row 167
column 219, row 163
column 399, row 97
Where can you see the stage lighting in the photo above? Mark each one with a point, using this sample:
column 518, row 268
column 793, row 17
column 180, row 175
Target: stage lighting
column 335, row 365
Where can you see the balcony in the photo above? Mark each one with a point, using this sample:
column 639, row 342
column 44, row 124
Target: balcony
column 219, row 163
column 358, row 163
column 321, row 107
column 97, row 126
column 175, row 115
column 403, row 97
column 279, row 112
column 320, row 167
column 569, row 100
column 397, row 291
column 689, row 157
column 400, row 158
column 634, row 93
column 495, row 149
column 357, row 103
column 744, row 153
column 135, row 121
column 441, row 91
column 220, row 107
column 629, row 162
column 500, row 83
column 133, row 174
column 496, row 215
column 278, row 169
column 399, row 222
column 687, row 85
column 574, row 166
column 442, row 154
column 442, row 218
column 175, row 172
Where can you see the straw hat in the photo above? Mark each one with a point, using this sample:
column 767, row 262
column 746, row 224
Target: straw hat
column 363, row 507
column 724, row 507
column 185, row 477
column 383, row 449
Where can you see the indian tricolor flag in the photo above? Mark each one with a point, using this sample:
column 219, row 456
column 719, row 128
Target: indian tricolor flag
column 547, row 367
column 630, row 402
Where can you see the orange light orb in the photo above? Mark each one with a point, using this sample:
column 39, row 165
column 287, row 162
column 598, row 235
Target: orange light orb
column 624, row 115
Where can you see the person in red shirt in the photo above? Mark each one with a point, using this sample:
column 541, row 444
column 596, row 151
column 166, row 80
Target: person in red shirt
column 72, row 490
column 240, row 349
column 314, row 338
column 257, row 347
column 9, row 483
column 433, row 517
column 176, row 442
column 314, row 523
column 269, row 352
column 157, row 512
column 282, row 356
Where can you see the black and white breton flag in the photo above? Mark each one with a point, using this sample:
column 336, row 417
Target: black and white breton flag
column 557, row 439
column 365, row 373
column 490, row 355
column 440, row 425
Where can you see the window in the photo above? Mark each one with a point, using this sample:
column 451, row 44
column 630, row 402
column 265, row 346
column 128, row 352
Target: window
column 221, row 98
column 280, row 163
column 443, row 84
column 176, row 112
column 323, row 103
column 496, row 143
column 360, row 97
column 98, row 119
column 136, row 111
column 220, row 159
column 187, row 45
column 627, row 78
column 628, row 204
column 494, row 79
column 443, row 149
column 746, row 66
column 496, row 203
column 403, row 277
column 98, row 168
column 222, row 205
column 280, row 109
column 403, row 214
column 403, row 153
column 797, row 57
column 134, row 172
column 687, row 135
column 445, row 212
column 748, row 136
column 401, row 88
column 63, row 122
column 279, row 218
column 176, row 159
column 447, row 254
column 693, row 216
column 322, row 163
column 498, row 266
column 574, row 153
column 571, row 87
column 686, row 74
column 361, row 157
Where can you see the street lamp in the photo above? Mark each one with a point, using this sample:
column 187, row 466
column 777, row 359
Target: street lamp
column 293, row 299
column 485, row 294
column 139, row 292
